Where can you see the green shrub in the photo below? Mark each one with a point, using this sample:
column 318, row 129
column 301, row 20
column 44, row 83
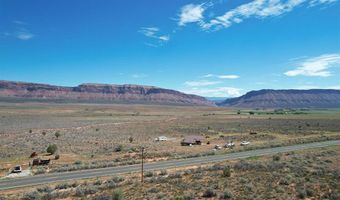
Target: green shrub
column 301, row 193
column 77, row 162
column 277, row 157
column 226, row 172
column 118, row 148
column 160, row 195
column 148, row 174
column 40, row 170
column 101, row 197
column 226, row 195
column 57, row 134
column 51, row 149
column 31, row 195
column 189, row 196
column 117, row 179
column 85, row 190
column 286, row 180
column 130, row 139
column 209, row 193
column 249, row 187
column 80, row 192
column 153, row 190
column 310, row 192
column 62, row 186
column 163, row 172
column 179, row 198
column 117, row 195
column 176, row 175
column 97, row 182
column 44, row 189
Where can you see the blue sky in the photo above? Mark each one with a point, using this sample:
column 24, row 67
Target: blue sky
column 218, row 48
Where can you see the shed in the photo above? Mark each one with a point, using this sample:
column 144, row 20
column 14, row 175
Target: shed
column 39, row 161
column 192, row 140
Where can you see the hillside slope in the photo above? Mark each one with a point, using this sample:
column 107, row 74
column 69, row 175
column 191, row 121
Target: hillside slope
column 95, row 93
column 286, row 99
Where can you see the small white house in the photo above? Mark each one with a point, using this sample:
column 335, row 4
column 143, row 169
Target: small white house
column 161, row 138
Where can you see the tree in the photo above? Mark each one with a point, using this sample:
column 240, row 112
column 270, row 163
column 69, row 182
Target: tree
column 52, row 148
column 57, row 134
column 130, row 139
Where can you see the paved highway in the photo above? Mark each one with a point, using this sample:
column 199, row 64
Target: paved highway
column 6, row 184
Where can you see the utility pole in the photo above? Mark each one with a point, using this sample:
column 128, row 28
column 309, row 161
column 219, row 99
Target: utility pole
column 142, row 172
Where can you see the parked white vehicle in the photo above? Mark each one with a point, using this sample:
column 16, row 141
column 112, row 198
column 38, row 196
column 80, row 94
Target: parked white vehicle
column 244, row 143
column 229, row 145
column 161, row 138
column 17, row 169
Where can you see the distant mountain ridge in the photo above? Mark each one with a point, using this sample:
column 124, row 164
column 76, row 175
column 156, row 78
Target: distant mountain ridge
column 11, row 90
column 216, row 99
column 106, row 93
column 315, row 98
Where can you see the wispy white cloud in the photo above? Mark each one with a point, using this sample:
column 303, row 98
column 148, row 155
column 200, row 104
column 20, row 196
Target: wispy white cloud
column 141, row 75
column 316, row 66
column 164, row 38
column 308, row 87
column 5, row 34
column 318, row 2
column 208, row 88
column 221, row 76
column 191, row 13
column 260, row 83
column 228, row 76
column 336, row 87
column 153, row 33
column 208, row 75
column 215, row 92
column 19, row 22
column 257, row 9
column 24, row 35
column 205, row 17
column 20, row 31
column 150, row 45
column 201, row 83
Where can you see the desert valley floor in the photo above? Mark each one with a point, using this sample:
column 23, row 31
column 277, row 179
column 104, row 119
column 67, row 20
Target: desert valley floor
column 102, row 135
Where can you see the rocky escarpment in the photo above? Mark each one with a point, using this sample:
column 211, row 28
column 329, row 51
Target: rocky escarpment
column 286, row 99
column 98, row 93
